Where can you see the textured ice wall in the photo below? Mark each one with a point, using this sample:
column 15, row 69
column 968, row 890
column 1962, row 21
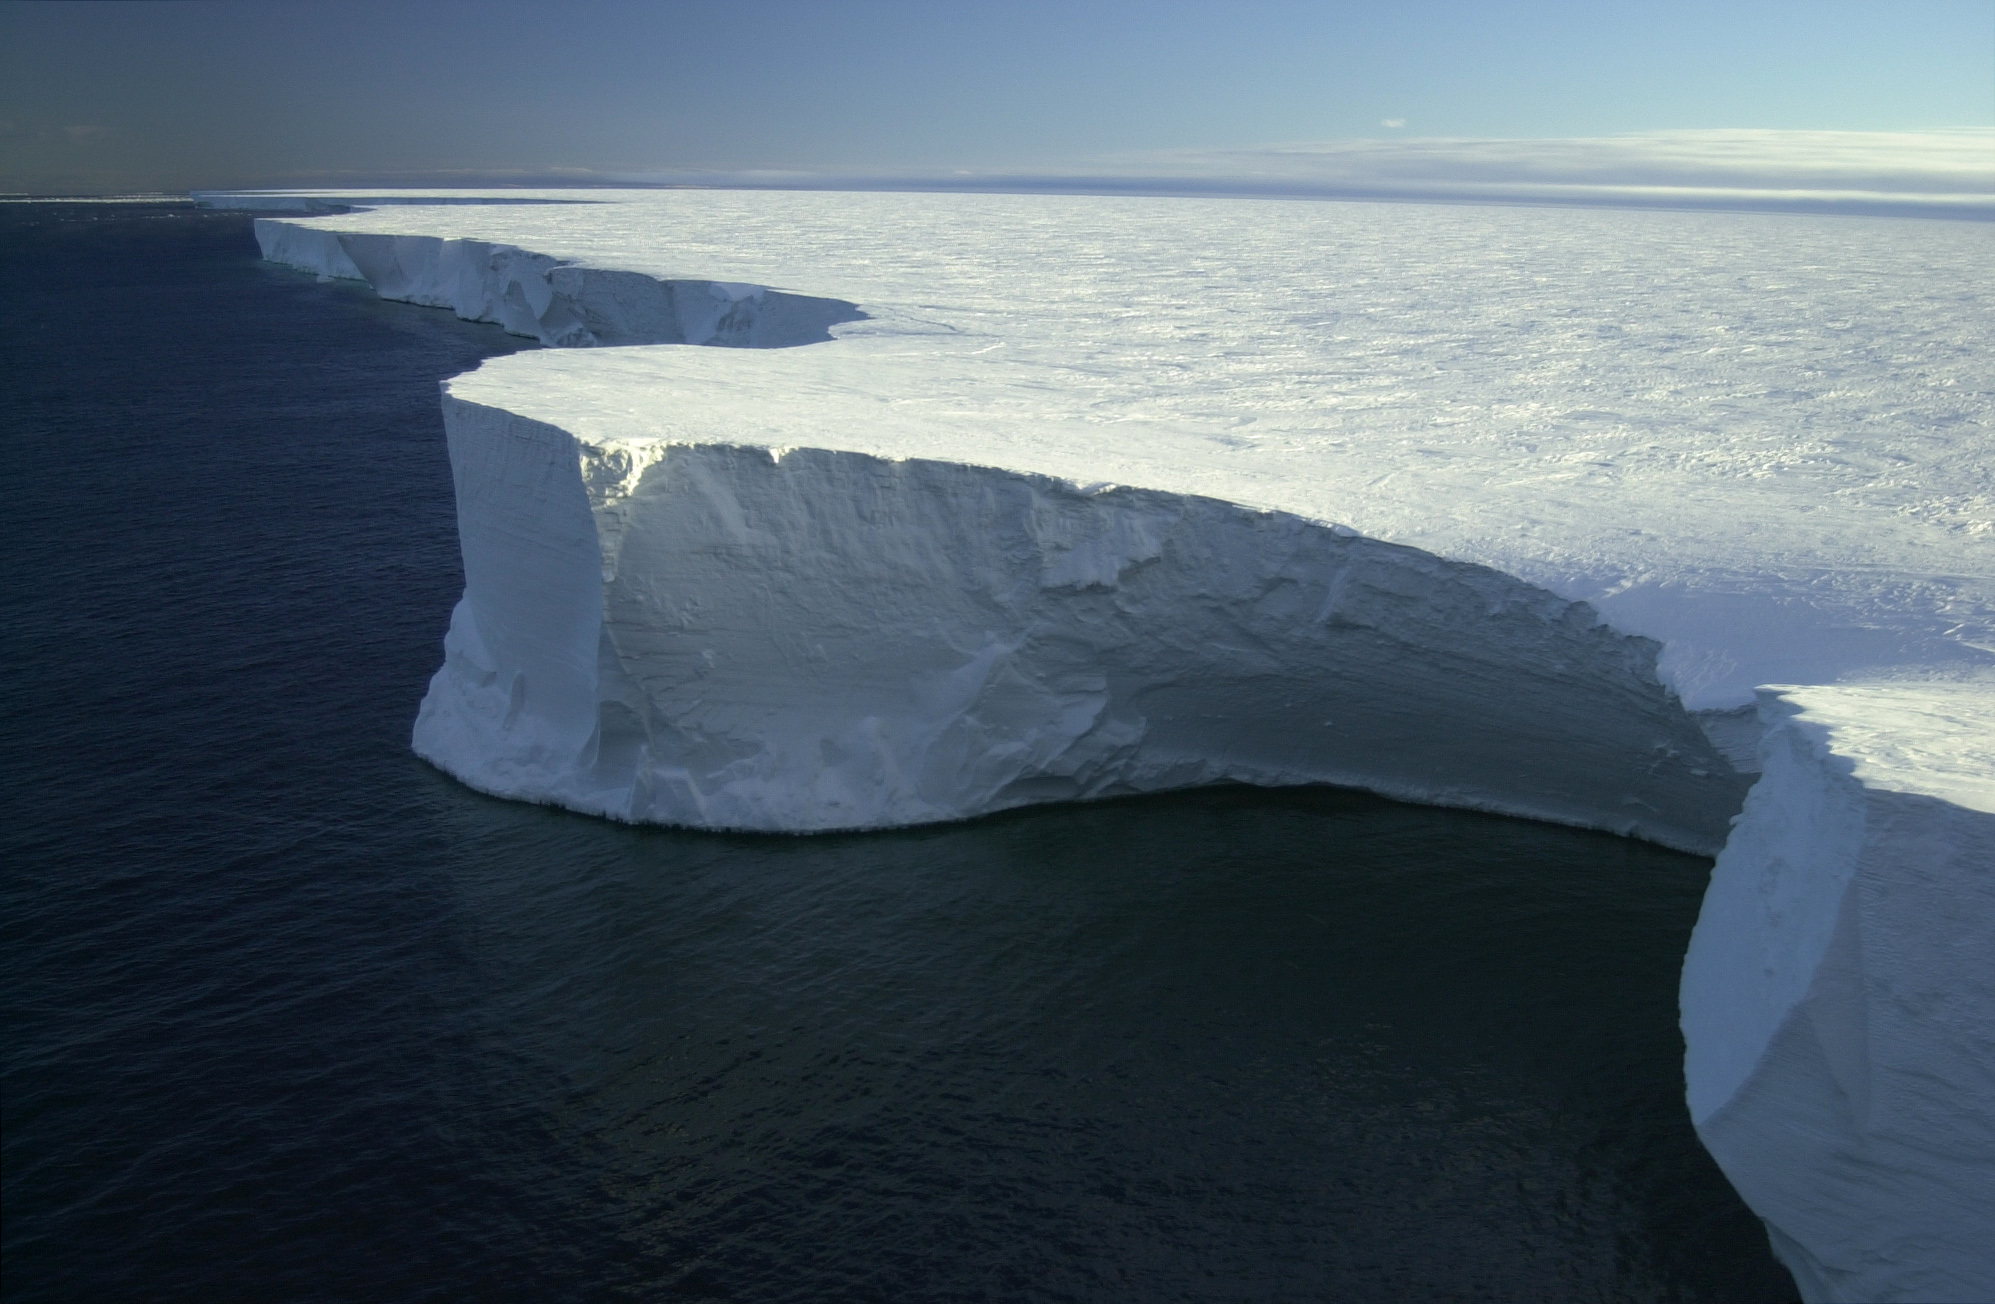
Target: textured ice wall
column 1839, row 995
column 552, row 301
column 741, row 638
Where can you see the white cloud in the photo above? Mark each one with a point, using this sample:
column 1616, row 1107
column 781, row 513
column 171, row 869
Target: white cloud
column 1927, row 162
column 1938, row 173
column 1935, row 169
column 1392, row 122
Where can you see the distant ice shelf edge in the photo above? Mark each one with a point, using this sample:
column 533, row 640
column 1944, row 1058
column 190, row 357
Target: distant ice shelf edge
column 796, row 639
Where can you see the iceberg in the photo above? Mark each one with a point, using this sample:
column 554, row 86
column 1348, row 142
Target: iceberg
column 1672, row 524
column 1838, row 1007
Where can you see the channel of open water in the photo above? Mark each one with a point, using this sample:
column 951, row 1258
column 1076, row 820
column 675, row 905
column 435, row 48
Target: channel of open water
column 291, row 1016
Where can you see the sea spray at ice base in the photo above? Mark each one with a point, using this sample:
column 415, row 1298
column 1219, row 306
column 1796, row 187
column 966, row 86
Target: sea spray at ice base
column 1755, row 439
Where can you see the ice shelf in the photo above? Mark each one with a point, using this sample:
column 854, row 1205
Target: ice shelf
column 1596, row 517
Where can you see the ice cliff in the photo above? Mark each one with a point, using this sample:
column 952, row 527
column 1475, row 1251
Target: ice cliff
column 1839, row 994
column 552, row 301
column 804, row 639
column 1055, row 516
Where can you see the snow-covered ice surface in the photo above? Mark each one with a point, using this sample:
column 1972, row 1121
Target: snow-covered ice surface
column 1074, row 496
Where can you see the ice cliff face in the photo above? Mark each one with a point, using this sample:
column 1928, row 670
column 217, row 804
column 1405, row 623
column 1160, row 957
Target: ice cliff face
column 810, row 639
column 555, row 302
column 888, row 580
column 1839, row 994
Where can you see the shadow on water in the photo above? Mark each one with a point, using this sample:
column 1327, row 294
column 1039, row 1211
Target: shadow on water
column 291, row 1015
column 1221, row 1044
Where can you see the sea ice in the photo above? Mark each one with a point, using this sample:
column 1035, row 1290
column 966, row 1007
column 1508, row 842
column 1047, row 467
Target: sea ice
column 1477, row 506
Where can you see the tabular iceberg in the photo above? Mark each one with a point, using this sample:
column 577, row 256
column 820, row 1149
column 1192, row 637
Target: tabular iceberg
column 1524, row 512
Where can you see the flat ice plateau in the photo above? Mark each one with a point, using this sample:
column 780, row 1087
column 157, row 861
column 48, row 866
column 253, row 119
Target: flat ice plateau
column 1679, row 525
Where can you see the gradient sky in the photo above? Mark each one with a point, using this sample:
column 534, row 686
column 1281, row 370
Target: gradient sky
column 98, row 97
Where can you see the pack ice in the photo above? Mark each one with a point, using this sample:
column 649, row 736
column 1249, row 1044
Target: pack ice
column 1672, row 524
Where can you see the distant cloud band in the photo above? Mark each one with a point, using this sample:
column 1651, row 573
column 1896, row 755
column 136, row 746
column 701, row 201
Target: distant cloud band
column 1948, row 173
column 1936, row 173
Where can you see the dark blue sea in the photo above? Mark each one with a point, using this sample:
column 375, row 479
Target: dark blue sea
column 291, row 1016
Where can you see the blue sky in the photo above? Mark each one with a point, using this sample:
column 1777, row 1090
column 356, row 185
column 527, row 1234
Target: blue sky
column 110, row 96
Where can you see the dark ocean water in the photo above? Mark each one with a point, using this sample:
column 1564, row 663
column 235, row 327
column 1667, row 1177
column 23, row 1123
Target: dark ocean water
column 291, row 1016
